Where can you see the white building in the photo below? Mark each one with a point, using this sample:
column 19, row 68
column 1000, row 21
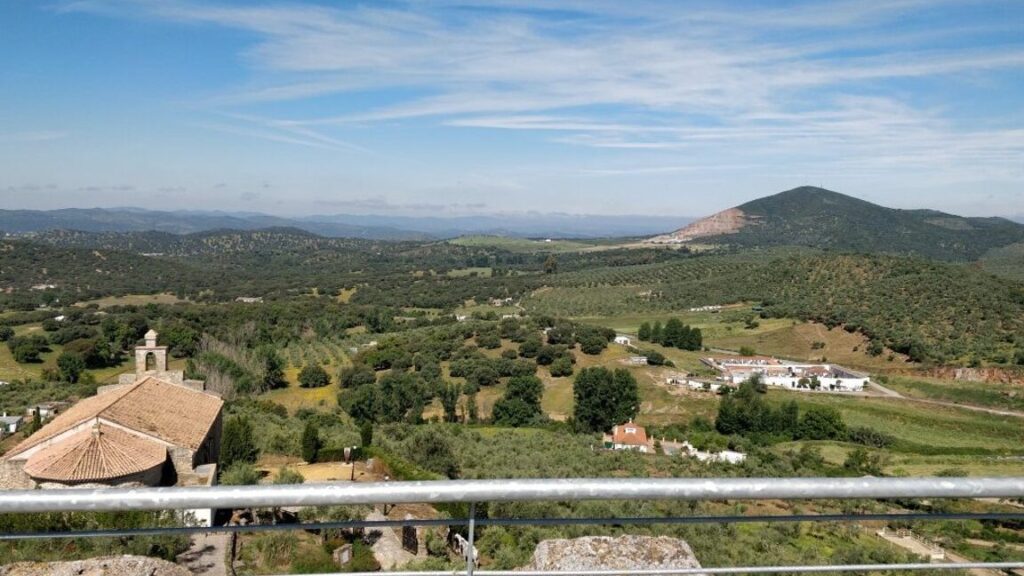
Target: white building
column 789, row 375
column 624, row 340
column 727, row 456
column 9, row 424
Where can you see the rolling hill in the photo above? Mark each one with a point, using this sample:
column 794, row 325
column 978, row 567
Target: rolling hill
column 367, row 226
column 819, row 218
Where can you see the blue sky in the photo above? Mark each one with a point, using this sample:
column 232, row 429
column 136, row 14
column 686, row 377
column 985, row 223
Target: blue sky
column 455, row 107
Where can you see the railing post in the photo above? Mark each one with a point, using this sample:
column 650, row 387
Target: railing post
column 470, row 553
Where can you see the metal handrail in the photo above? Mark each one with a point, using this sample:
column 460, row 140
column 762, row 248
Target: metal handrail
column 474, row 491
column 517, row 490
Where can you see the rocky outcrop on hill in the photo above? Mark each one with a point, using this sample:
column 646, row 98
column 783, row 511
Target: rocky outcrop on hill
column 724, row 222
column 605, row 552
column 993, row 375
column 105, row 566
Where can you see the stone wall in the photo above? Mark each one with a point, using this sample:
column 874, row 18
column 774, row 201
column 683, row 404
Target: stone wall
column 107, row 566
column 608, row 553
column 13, row 476
column 182, row 459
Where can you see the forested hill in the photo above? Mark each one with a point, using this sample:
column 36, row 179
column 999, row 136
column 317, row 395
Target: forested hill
column 213, row 243
column 103, row 220
column 809, row 216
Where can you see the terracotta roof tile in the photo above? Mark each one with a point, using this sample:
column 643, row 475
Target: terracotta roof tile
column 175, row 414
column 96, row 454
column 629, row 434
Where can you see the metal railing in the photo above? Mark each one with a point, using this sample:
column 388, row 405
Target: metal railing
column 564, row 490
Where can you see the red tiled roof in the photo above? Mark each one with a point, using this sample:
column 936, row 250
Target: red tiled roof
column 175, row 414
column 94, row 455
column 629, row 434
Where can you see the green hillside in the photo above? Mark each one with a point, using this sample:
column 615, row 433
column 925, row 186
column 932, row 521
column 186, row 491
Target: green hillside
column 809, row 216
column 929, row 310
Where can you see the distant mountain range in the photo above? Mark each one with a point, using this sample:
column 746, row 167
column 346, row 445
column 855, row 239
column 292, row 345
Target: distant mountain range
column 374, row 227
column 820, row 218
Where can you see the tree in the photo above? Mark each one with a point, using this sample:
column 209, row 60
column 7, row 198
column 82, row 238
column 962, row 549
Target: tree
column 313, row 376
column 860, row 461
column 530, row 347
column 450, row 401
column 489, row 340
column 237, row 442
column 520, row 405
column 593, row 341
column 473, row 411
column 70, row 366
column 657, row 332
column 6, row 333
column 366, row 434
column 180, row 338
column 273, row 367
column 356, row 375
column 36, row 424
column 747, row 351
column 562, row 366
column 310, row 441
column 822, row 423
column 673, row 334
column 654, row 358
column 482, row 375
column 693, row 339
column 644, row 333
column 433, row 451
column 603, row 398
column 551, row 264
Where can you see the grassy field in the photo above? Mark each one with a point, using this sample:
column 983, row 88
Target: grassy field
column 897, row 463
column 807, row 341
column 522, row 244
column 781, row 337
column 483, row 272
column 133, row 300
column 990, row 394
column 923, row 428
column 295, row 397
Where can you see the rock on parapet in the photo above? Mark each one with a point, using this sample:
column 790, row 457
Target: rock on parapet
column 104, row 566
column 608, row 553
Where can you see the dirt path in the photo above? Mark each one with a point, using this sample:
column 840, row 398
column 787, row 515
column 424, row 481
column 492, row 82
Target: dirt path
column 987, row 544
column 206, row 555
column 388, row 548
column 920, row 548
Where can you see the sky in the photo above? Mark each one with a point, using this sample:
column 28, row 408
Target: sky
column 455, row 107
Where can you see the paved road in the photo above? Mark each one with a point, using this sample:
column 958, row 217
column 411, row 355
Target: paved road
column 207, row 554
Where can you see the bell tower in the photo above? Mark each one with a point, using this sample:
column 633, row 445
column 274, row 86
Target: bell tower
column 150, row 358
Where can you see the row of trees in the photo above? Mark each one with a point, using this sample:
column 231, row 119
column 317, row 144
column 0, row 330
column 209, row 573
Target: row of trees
column 745, row 412
column 674, row 334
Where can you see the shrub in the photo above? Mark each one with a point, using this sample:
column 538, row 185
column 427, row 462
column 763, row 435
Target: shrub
column 237, row 442
column 288, row 476
column 239, row 474
column 310, row 441
column 561, row 367
column 313, row 376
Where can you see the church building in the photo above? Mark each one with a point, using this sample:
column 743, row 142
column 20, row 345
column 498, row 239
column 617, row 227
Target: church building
column 153, row 428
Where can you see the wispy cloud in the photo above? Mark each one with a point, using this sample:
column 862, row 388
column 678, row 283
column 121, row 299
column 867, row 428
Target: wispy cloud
column 826, row 85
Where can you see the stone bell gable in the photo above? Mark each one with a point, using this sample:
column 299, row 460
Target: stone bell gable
column 151, row 361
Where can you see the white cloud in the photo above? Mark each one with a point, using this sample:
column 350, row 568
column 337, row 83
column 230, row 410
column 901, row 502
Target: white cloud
column 812, row 87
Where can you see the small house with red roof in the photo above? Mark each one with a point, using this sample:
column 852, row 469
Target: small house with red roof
column 628, row 436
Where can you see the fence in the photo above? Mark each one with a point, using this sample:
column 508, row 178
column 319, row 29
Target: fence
column 475, row 491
